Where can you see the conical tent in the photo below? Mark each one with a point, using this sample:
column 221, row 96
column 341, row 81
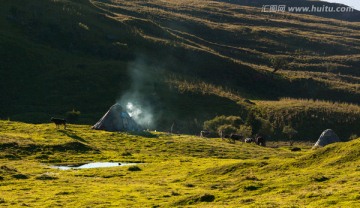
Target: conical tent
column 117, row 119
column 327, row 137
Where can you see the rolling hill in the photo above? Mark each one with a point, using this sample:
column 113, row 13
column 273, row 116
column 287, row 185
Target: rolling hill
column 186, row 61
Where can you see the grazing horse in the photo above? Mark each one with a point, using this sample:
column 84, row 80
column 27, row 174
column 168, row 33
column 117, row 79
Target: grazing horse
column 58, row 122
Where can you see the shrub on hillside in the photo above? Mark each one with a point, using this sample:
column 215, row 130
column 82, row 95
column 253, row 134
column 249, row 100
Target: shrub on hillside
column 226, row 129
column 234, row 124
column 278, row 63
column 253, row 121
column 289, row 131
column 265, row 127
column 214, row 124
column 353, row 137
column 245, row 130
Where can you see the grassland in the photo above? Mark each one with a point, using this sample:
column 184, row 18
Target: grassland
column 175, row 171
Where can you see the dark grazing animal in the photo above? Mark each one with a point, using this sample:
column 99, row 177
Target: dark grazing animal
column 233, row 137
column 58, row 122
column 236, row 137
column 249, row 140
column 260, row 140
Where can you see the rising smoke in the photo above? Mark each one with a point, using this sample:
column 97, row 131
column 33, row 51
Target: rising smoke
column 136, row 98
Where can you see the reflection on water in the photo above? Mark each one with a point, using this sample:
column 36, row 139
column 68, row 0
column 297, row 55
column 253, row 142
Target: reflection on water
column 92, row 165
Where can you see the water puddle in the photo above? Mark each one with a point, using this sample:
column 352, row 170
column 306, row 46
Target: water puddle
column 92, row 165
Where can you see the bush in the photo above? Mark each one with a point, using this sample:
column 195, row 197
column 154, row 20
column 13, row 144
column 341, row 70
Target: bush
column 224, row 122
column 278, row 63
column 234, row 124
column 207, row 198
column 226, row 129
column 353, row 137
column 253, row 121
column 289, row 131
column 245, row 130
column 20, row 176
column 134, row 168
column 265, row 127
column 214, row 124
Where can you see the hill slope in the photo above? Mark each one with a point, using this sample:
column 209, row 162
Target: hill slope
column 85, row 55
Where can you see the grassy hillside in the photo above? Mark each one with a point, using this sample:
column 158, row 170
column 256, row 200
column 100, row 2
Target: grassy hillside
column 304, row 115
column 87, row 54
column 175, row 170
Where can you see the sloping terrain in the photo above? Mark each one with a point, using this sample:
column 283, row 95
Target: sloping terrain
column 175, row 170
column 59, row 55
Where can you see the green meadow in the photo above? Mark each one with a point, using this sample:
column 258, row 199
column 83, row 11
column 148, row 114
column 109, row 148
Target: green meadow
column 172, row 171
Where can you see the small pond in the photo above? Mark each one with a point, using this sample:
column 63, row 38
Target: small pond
column 92, row 165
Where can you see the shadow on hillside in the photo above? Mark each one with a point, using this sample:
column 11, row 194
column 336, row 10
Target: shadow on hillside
column 69, row 133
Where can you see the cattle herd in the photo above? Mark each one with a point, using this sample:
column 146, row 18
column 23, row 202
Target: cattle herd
column 259, row 139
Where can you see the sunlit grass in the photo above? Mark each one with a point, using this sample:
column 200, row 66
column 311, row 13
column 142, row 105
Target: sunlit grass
column 176, row 170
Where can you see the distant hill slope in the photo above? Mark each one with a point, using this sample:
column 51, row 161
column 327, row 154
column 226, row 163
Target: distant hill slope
column 85, row 55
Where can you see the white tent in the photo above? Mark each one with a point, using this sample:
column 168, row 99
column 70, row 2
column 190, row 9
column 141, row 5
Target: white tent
column 327, row 137
column 117, row 119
